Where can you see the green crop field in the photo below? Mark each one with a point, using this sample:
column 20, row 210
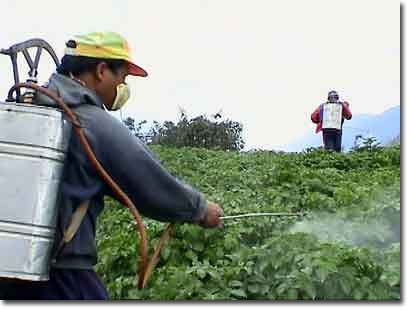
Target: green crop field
column 345, row 246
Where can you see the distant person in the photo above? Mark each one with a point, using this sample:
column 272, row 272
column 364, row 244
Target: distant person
column 329, row 117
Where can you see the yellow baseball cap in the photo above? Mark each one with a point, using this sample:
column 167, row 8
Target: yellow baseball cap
column 105, row 45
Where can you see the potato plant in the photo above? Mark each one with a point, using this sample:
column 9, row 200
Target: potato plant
column 352, row 200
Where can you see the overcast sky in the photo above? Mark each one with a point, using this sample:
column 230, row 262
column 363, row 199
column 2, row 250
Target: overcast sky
column 267, row 64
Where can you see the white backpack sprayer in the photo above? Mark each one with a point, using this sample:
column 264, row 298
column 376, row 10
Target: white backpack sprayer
column 332, row 116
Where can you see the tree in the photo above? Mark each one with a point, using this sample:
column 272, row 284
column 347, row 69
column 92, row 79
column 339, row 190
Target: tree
column 201, row 132
column 365, row 144
column 136, row 129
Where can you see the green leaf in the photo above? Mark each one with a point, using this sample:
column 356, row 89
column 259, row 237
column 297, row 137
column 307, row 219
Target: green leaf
column 357, row 294
column 238, row 293
column 201, row 273
column 345, row 285
column 198, row 246
column 253, row 288
column 191, row 255
column 165, row 253
column 310, row 290
column 322, row 274
column 214, row 274
column 235, row 283
column 281, row 288
column 292, row 294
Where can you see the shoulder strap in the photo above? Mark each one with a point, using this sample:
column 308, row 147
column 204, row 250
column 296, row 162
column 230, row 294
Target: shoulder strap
column 75, row 221
column 72, row 228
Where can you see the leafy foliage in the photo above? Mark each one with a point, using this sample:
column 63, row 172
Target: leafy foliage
column 266, row 258
column 138, row 129
column 201, row 132
column 365, row 144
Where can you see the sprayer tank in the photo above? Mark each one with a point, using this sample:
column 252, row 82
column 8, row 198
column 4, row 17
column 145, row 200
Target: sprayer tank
column 33, row 144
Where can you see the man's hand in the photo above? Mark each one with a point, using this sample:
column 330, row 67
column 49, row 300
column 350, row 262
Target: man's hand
column 211, row 218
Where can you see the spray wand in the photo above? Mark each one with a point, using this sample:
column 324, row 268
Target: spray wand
column 269, row 214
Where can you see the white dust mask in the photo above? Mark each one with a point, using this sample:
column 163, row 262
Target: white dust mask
column 123, row 94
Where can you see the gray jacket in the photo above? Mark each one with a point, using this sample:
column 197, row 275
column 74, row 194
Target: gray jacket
column 155, row 192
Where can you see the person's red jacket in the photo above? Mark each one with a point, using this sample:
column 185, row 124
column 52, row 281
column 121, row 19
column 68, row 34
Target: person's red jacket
column 315, row 117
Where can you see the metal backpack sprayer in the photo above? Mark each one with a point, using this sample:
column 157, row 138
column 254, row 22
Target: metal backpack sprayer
column 33, row 144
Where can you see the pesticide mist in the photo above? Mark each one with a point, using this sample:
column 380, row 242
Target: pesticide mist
column 380, row 228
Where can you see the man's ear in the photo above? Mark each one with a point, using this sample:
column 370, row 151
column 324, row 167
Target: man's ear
column 101, row 71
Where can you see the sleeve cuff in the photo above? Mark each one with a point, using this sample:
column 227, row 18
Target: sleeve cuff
column 201, row 210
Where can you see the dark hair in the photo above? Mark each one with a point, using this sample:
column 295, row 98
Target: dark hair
column 80, row 64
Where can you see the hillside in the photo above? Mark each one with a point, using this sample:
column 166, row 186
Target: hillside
column 346, row 246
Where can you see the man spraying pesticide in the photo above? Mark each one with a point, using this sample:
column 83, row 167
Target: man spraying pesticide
column 102, row 158
column 57, row 167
